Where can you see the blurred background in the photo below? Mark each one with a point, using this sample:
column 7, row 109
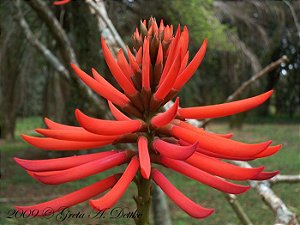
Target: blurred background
column 244, row 37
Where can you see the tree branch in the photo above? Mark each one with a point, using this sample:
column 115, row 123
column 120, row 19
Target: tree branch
column 285, row 179
column 238, row 209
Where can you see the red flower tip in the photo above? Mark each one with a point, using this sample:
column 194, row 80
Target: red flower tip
column 107, row 127
column 225, row 109
column 174, row 151
column 166, row 117
column 110, row 198
column 144, row 158
column 116, row 112
column 265, row 175
column 118, row 74
column 191, row 68
column 68, row 200
column 61, row 2
column 146, row 66
column 180, row 199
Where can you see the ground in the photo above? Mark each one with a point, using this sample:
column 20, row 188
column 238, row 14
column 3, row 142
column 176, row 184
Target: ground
column 18, row 188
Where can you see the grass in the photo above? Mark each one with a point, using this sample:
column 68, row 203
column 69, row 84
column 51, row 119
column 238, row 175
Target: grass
column 17, row 188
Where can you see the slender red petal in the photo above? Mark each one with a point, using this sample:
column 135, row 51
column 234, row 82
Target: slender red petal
column 144, row 158
column 265, row 175
column 57, row 145
column 81, row 171
column 117, row 113
column 122, row 80
column 159, row 57
column 203, row 177
column 60, row 163
column 225, row 109
column 146, row 66
column 57, row 126
column 110, row 198
column 191, row 68
column 198, row 129
column 75, row 135
column 167, row 84
column 139, row 56
column 166, row 117
column 132, row 61
column 68, row 200
column 184, row 62
column 269, row 151
column 124, row 65
column 105, row 91
column 222, row 169
column 61, row 2
column 219, row 145
column 180, row 199
column 174, row 151
column 107, row 127
column 171, row 55
column 184, row 39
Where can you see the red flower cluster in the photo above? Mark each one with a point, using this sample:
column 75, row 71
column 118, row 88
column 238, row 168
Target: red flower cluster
column 152, row 76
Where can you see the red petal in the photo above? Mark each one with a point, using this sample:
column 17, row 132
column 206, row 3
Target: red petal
column 266, row 175
column 68, row 200
column 75, row 135
column 191, row 68
column 144, row 158
column 57, row 145
column 122, row 80
column 174, row 151
column 269, row 151
column 171, row 55
column 225, row 109
column 219, row 145
column 60, row 163
column 167, row 84
column 110, row 198
column 139, row 56
column 146, row 66
column 203, row 177
column 166, row 117
column 222, row 169
column 57, row 126
column 107, row 127
column 184, row 62
column 105, row 91
column 180, row 199
column 132, row 61
column 124, row 65
column 184, row 39
column 61, row 2
column 117, row 113
column 81, row 171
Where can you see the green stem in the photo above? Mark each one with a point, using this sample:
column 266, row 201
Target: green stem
column 143, row 201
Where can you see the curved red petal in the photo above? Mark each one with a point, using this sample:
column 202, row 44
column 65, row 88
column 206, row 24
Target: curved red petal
column 266, row 175
column 57, row 126
column 219, row 145
column 81, row 171
column 117, row 113
column 57, row 145
column 180, row 199
column 191, row 68
column 122, row 80
column 225, row 109
column 146, row 66
column 68, row 200
column 145, row 165
column 42, row 165
column 107, row 127
column 61, row 2
column 124, row 65
column 166, row 117
column 110, row 198
column 174, row 151
column 75, row 135
column 203, row 177
column 222, row 169
column 105, row 91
